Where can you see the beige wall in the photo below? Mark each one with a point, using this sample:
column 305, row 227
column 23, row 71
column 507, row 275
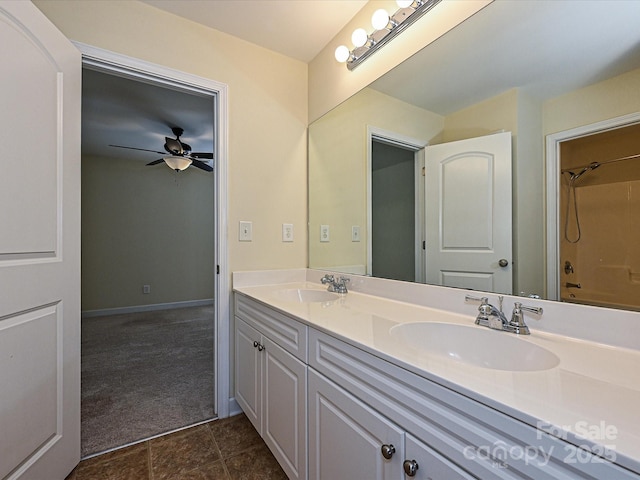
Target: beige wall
column 601, row 101
column 267, row 114
column 140, row 227
column 331, row 83
column 337, row 170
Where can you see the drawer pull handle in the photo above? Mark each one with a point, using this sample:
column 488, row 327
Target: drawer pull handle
column 388, row 451
column 410, row 467
column 260, row 347
column 255, row 344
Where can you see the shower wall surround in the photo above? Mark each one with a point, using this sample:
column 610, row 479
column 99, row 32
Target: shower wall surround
column 606, row 260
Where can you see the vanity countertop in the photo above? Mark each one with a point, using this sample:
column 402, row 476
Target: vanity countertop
column 590, row 398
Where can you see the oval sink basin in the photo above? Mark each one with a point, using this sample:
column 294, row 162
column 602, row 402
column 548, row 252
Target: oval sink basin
column 301, row 295
column 476, row 345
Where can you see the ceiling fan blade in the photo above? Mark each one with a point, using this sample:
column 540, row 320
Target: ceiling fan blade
column 201, row 165
column 204, row 155
column 173, row 146
column 134, row 148
column 155, row 162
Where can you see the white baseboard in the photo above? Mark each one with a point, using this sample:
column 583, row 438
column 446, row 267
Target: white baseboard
column 146, row 308
column 234, row 408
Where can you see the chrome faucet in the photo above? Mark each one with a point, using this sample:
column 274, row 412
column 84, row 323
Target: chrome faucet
column 336, row 286
column 492, row 317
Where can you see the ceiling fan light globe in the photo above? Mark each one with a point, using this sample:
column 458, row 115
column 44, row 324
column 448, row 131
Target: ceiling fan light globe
column 177, row 163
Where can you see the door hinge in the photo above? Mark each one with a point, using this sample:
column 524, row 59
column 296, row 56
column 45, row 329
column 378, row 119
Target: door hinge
column 424, row 245
column 218, row 269
column 424, row 171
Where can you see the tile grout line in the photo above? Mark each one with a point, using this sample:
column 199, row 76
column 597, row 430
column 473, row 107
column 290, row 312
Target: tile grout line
column 215, row 443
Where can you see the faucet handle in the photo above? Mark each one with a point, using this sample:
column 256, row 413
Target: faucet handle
column 526, row 308
column 327, row 279
column 481, row 300
column 517, row 324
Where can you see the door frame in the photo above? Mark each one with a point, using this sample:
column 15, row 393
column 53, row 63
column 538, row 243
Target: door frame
column 553, row 142
column 117, row 64
column 409, row 143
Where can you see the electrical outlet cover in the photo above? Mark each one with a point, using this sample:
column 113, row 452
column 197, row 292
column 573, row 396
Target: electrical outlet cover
column 287, row 232
column 324, row 233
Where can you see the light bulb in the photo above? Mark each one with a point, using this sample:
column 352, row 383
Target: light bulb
column 342, row 54
column 359, row 37
column 380, row 19
column 404, row 3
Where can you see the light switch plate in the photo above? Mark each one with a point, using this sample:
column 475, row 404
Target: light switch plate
column 324, row 233
column 246, row 231
column 287, row 232
column 355, row 233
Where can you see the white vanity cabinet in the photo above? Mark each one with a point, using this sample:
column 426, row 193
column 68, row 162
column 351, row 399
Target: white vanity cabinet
column 448, row 435
column 424, row 463
column 330, row 410
column 347, row 439
column 271, row 382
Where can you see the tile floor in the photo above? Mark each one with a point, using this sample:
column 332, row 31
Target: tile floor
column 228, row 449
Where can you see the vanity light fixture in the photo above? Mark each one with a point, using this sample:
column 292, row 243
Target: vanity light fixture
column 386, row 27
column 177, row 163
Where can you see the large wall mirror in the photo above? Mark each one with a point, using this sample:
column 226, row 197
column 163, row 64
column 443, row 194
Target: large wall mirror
column 413, row 167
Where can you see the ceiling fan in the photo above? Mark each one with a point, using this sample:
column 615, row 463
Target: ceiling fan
column 180, row 154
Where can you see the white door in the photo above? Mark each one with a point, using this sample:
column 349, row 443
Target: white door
column 284, row 407
column 427, row 464
column 39, row 246
column 347, row 438
column 468, row 213
column 248, row 377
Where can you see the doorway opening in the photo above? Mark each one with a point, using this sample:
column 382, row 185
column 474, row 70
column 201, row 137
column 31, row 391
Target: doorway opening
column 394, row 210
column 593, row 173
column 156, row 224
column 599, row 183
column 395, row 205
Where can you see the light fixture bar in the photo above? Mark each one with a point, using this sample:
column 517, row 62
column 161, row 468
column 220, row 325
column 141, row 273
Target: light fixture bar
column 399, row 21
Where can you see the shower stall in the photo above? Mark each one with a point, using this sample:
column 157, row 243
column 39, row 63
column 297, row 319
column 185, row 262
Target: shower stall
column 600, row 219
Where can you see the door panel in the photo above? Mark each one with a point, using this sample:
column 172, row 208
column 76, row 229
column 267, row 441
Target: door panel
column 346, row 436
column 39, row 247
column 468, row 213
column 432, row 465
column 248, row 388
column 285, row 408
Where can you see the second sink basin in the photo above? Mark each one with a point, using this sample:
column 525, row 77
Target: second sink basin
column 475, row 345
column 304, row 295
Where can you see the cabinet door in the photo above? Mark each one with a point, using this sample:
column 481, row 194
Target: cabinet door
column 248, row 372
column 284, row 385
column 346, row 437
column 428, row 464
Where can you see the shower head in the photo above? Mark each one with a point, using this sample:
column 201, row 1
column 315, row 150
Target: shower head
column 588, row 168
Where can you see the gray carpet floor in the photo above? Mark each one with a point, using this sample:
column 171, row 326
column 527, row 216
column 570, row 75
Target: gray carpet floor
column 144, row 374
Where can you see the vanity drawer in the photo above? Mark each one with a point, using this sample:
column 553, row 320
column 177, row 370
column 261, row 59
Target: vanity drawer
column 283, row 330
column 481, row 440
